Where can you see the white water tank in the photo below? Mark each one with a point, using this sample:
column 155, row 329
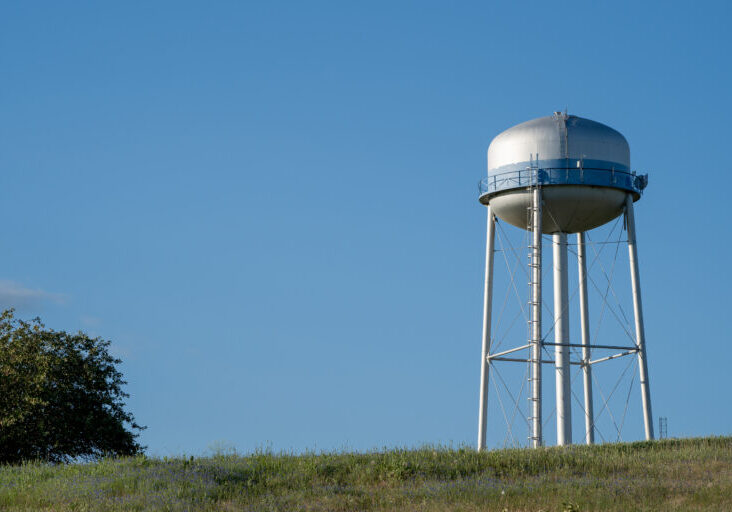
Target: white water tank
column 583, row 167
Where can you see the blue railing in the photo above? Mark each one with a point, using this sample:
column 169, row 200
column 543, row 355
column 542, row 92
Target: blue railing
column 528, row 177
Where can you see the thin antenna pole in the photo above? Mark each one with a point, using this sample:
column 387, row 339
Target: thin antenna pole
column 485, row 352
column 585, row 330
column 640, row 335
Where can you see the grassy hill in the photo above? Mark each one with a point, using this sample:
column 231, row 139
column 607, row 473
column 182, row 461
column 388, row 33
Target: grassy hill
column 685, row 474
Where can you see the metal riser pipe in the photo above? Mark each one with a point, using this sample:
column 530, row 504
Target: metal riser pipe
column 561, row 337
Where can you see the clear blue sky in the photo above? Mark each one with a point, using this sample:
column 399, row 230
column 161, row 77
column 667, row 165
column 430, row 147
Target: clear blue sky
column 271, row 208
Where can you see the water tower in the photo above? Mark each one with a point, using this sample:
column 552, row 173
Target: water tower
column 559, row 175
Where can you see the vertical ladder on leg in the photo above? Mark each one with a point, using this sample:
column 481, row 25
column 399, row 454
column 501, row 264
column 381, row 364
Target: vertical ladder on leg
column 534, row 214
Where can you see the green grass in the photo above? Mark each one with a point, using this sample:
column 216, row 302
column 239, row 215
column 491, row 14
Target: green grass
column 688, row 474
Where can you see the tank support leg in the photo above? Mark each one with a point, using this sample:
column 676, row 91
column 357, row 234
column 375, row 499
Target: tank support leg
column 640, row 335
column 535, row 435
column 585, row 330
column 487, row 305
